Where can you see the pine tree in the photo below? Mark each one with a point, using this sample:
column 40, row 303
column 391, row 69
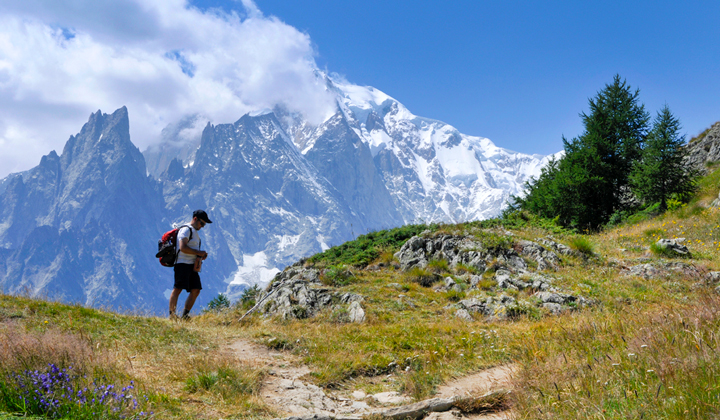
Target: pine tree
column 661, row 173
column 591, row 181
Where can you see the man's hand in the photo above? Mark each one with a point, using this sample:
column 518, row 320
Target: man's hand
column 202, row 254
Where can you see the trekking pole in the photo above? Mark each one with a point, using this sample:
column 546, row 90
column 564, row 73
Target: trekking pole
column 261, row 301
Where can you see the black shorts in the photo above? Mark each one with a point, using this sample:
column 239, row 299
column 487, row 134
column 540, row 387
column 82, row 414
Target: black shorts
column 186, row 278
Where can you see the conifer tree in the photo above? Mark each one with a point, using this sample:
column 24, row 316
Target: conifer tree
column 661, row 173
column 591, row 182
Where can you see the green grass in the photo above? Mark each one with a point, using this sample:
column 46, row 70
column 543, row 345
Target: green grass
column 582, row 244
column 421, row 276
column 367, row 248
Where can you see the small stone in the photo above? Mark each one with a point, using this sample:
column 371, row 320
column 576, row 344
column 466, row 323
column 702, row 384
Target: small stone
column 389, row 398
column 554, row 308
column 463, row 314
column 359, row 395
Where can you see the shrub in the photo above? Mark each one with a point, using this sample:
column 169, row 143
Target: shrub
column 387, row 255
column 419, row 384
column 463, row 268
column 582, row 244
column 454, row 295
column 674, row 204
column 249, row 297
column 336, row 275
column 438, row 266
column 493, row 241
column 486, row 284
column 422, row 277
column 367, row 248
column 227, row 380
column 219, row 303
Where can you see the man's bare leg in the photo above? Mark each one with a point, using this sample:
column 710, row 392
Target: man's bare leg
column 190, row 301
column 173, row 300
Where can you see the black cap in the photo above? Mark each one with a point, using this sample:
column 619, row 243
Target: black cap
column 200, row 214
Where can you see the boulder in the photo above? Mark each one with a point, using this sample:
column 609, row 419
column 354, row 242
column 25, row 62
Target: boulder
column 674, row 245
column 356, row 312
column 545, row 259
column 298, row 293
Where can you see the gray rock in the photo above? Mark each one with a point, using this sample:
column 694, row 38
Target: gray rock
column 674, row 245
column 554, row 308
column 463, row 314
column 646, row 271
column 495, row 307
column 713, row 277
column 704, row 150
column 545, row 259
column 557, row 247
column 549, row 297
column 390, row 398
column 356, row 312
column 296, row 294
column 412, row 253
column 449, row 282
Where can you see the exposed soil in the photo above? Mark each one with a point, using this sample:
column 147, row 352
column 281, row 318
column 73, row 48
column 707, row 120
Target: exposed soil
column 285, row 390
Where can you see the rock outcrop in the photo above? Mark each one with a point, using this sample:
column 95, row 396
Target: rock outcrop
column 298, row 293
column 704, row 150
column 509, row 266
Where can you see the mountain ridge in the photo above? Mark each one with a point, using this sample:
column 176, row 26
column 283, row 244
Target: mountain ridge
column 279, row 188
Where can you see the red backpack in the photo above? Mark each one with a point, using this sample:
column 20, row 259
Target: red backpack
column 167, row 247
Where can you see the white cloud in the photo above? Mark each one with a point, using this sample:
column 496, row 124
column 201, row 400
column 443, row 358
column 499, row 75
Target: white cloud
column 163, row 59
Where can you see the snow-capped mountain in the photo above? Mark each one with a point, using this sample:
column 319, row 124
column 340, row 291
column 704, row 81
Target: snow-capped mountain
column 371, row 165
column 83, row 226
column 434, row 172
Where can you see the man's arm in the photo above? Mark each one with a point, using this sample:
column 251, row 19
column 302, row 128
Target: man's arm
column 186, row 249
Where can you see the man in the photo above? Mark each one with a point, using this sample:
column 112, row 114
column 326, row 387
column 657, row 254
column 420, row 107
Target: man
column 186, row 278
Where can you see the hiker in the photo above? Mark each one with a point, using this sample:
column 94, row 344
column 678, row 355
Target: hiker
column 188, row 256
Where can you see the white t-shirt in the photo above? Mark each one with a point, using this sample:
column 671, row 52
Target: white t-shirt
column 194, row 243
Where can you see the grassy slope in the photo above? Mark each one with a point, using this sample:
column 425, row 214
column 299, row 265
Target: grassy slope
column 648, row 350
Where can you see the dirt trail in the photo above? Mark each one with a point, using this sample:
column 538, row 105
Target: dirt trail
column 285, row 391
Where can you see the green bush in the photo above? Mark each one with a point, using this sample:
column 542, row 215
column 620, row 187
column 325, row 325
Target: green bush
column 454, row 295
column 438, row 266
column 249, row 297
column 582, row 244
column 336, row 275
column 219, row 303
column 464, row 268
column 422, row 277
column 367, row 248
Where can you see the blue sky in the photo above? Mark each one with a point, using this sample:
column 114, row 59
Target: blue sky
column 518, row 73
